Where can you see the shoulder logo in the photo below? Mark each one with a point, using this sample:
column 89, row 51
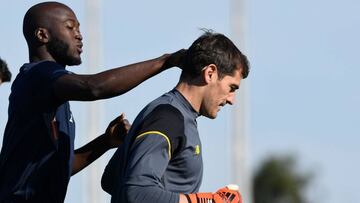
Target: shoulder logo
column 197, row 149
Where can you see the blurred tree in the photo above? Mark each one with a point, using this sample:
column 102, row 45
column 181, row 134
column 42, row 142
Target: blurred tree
column 278, row 181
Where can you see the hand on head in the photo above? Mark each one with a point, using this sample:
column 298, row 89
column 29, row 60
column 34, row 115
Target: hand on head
column 175, row 59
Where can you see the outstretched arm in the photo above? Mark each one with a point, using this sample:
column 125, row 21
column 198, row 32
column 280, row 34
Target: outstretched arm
column 113, row 82
column 113, row 137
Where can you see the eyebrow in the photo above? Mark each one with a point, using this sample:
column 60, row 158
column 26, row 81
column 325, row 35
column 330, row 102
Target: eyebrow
column 72, row 21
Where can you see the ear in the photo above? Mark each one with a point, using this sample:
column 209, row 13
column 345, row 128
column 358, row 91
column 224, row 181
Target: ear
column 42, row 35
column 210, row 73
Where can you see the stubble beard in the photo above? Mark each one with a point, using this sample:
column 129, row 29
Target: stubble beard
column 59, row 50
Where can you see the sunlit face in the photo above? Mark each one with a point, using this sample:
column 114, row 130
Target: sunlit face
column 65, row 43
column 220, row 93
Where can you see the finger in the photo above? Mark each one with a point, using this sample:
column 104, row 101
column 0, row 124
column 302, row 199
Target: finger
column 116, row 121
column 121, row 117
column 127, row 124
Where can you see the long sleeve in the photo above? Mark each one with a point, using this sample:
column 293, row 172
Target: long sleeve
column 148, row 160
column 159, row 137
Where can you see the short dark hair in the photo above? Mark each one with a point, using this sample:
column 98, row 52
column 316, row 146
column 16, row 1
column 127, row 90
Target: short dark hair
column 5, row 74
column 214, row 48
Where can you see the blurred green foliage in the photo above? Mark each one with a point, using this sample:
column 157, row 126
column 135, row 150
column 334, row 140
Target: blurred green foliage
column 277, row 180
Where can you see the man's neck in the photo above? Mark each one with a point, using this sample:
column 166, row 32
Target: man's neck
column 40, row 54
column 192, row 93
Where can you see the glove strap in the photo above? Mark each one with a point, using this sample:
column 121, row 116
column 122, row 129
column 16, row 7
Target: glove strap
column 200, row 198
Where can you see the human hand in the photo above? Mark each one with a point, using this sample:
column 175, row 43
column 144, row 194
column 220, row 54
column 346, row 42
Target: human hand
column 228, row 194
column 116, row 131
column 175, row 59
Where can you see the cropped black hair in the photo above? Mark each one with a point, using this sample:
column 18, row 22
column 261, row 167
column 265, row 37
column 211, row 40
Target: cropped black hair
column 214, row 48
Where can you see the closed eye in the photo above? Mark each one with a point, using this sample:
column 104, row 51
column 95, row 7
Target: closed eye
column 233, row 88
column 72, row 25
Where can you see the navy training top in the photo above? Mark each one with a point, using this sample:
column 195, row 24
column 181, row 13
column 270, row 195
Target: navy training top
column 37, row 149
column 160, row 157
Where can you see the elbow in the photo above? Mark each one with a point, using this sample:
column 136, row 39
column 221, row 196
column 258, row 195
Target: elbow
column 103, row 89
column 106, row 184
column 130, row 193
column 96, row 91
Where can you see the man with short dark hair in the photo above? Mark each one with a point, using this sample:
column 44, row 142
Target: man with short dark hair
column 5, row 74
column 160, row 160
column 37, row 156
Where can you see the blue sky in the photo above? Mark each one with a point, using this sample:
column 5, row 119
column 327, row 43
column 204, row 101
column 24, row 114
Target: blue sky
column 304, row 91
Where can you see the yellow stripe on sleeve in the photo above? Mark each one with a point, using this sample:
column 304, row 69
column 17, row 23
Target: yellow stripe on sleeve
column 158, row 133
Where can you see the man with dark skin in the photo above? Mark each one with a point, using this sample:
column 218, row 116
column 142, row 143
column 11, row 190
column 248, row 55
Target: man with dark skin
column 37, row 156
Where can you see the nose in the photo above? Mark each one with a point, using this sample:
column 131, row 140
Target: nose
column 78, row 35
column 230, row 99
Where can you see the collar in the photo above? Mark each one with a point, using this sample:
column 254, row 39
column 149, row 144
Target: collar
column 185, row 103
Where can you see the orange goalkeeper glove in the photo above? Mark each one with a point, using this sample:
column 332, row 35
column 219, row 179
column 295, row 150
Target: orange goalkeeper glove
column 228, row 194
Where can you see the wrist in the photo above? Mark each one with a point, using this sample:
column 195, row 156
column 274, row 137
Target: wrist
column 105, row 141
column 163, row 62
column 200, row 197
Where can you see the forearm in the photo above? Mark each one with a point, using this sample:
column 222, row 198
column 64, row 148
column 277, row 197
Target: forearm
column 120, row 80
column 89, row 153
column 109, row 83
column 150, row 194
column 183, row 199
